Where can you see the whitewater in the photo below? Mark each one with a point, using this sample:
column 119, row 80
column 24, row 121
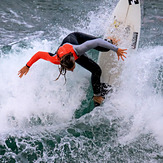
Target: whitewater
column 39, row 119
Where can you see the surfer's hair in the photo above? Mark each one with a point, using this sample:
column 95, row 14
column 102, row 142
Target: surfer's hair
column 66, row 63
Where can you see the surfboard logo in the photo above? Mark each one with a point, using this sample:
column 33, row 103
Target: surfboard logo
column 134, row 40
column 131, row 2
column 128, row 30
column 116, row 23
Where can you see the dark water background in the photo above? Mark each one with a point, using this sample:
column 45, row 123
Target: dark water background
column 46, row 121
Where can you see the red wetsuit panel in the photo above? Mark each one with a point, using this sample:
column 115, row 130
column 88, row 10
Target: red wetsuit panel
column 45, row 56
column 65, row 49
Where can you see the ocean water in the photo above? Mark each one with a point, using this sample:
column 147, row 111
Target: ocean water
column 42, row 120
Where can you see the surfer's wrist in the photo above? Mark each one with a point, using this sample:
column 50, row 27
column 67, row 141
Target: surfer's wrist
column 27, row 66
column 116, row 50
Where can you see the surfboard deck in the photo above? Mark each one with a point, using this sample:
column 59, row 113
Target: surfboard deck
column 125, row 26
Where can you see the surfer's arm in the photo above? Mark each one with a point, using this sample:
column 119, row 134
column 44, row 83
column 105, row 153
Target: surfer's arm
column 39, row 55
column 42, row 55
column 91, row 44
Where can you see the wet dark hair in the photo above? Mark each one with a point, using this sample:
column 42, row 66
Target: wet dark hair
column 66, row 62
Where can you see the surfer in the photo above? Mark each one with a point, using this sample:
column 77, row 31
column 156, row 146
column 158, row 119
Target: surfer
column 73, row 49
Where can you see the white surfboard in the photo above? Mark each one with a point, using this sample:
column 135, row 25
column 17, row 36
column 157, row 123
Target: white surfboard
column 125, row 26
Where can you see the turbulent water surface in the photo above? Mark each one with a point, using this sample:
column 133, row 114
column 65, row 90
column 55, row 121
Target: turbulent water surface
column 42, row 120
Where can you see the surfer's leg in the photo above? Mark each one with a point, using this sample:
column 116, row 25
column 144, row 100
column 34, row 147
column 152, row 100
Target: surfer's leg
column 71, row 38
column 83, row 37
column 95, row 69
column 77, row 38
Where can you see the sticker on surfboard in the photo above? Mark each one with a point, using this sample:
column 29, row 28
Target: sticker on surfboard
column 134, row 40
column 131, row 2
column 116, row 23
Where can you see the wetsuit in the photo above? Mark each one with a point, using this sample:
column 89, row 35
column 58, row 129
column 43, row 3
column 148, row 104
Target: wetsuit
column 81, row 43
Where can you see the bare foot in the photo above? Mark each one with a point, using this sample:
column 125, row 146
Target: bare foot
column 98, row 99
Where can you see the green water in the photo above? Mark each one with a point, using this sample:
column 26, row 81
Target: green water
column 46, row 121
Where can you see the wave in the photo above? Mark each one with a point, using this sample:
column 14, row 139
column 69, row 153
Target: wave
column 46, row 120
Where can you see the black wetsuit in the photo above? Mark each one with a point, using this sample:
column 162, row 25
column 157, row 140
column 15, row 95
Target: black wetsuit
column 78, row 38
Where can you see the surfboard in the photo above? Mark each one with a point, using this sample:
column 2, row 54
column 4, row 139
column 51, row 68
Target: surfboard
column 125, row 26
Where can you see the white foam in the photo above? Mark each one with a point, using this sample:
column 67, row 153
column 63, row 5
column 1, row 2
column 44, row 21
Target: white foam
column 97, row 20
column 37, row 94
column 139, row 100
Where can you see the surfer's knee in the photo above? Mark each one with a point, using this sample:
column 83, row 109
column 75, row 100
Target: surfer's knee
column 74, row 33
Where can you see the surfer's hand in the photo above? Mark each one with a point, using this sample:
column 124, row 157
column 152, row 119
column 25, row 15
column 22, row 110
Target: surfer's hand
column 23, row 71
column 114, row 40
column 120, row 53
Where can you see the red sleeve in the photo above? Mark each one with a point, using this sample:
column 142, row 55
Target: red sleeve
column 45, row 56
